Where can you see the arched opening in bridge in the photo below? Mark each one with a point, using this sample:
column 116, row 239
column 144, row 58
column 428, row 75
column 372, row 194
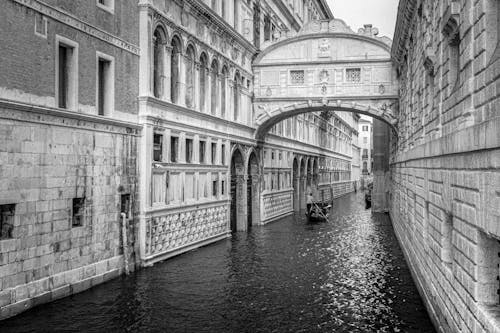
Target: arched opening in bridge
column 253, row 191
column 309, row 167
column 296, row 186
column 237, row 178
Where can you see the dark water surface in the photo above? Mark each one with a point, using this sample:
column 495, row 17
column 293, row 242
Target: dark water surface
column 346, row 275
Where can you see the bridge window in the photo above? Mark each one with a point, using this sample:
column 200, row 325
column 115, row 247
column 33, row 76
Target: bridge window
column 296, row 77
column 353, row 75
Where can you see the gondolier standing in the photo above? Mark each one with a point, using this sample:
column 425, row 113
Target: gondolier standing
column 310, row 200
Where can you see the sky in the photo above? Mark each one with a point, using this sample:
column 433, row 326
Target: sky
column 380, row 13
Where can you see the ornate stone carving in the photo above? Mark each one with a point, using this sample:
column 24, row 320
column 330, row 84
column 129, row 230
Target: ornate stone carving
column 451, row 19
column 429, row 61
column 324, row 48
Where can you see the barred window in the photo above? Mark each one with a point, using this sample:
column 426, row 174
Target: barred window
column 297, row 77
column 353, row 75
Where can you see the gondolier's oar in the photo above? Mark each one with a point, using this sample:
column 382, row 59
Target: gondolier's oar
column 320, row 211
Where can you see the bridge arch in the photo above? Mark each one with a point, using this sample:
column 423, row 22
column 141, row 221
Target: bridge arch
column 268, row 118
column 325, row 67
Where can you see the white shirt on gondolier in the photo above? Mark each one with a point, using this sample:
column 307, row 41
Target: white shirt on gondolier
column 310, row 199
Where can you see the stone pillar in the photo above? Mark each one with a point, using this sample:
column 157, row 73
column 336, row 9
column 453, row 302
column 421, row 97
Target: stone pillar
column 182, row 80
column 303, row 195
column 145, row 60
column 380, row 171
column 167, row 79
column 241, row 203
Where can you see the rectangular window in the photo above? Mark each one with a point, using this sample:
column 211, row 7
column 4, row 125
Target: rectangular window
column 105, row 85
column 157, row 147
column 296, row 77
column 214, row 153
column 365, row 140
column 64, row 75
column 223, row 155
column 40, row 25
column 174, row 148
column 78, row 209
column 214, row 188
column 189, row 150
column 365, row 128
column 66, row 70
column 7, row 213
column 107, row 5
column 223, row 187
column 202, row 151
column 125, row 204
column 353, row 75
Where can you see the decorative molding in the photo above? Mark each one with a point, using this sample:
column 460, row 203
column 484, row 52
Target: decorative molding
column 451, row 19
column 74, row 22
column 429, row 61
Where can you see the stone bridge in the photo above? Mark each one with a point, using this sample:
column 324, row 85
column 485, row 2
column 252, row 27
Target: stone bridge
column 326, row 66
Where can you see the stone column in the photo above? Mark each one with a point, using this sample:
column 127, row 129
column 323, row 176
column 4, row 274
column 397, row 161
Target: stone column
column 145, row 60
column 182, row 80
column 167, row 79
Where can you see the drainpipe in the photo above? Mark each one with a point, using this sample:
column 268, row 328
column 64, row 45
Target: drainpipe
column 124, row 241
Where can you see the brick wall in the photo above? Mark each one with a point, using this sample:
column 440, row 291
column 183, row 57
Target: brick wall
column 445, row 167
column 46, row 160
column 27, row 69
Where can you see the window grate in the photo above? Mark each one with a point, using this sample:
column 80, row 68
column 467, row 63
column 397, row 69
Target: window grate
column 297, row 77
column 353, row 75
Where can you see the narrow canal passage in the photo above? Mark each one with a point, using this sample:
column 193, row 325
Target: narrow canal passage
column 347, row 275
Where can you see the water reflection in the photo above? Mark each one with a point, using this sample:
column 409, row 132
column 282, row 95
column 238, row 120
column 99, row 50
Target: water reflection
column 347, row 275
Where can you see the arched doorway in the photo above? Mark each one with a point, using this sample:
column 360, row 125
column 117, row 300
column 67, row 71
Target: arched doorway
column 296, row 186
column 253, row 211
column 237, row 194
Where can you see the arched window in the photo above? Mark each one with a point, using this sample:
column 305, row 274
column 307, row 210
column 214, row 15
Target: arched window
column 174, row 70
column 203, row 81
column 236, row 94
column 158, row 56
column 223, row 87
column 214, row 89
column 190, row 76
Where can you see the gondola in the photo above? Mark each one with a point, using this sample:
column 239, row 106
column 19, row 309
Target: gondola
column 319, row 212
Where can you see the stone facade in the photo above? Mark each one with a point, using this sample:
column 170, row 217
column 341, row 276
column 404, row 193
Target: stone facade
column 67, row 153
column 445, row 166
column 129, row 136
column 196, row 111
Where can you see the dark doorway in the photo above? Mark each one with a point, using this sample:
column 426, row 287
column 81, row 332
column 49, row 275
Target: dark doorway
column 237, row 169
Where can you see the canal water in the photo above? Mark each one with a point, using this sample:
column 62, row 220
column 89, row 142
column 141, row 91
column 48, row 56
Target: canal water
column 345, row 275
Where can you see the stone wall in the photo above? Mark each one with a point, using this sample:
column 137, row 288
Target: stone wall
column 445, row 167
column 50, row 247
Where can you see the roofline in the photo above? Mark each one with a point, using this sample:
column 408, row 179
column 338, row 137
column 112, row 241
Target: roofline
column 406, row 10
column 367, row 39
column 326, row 9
